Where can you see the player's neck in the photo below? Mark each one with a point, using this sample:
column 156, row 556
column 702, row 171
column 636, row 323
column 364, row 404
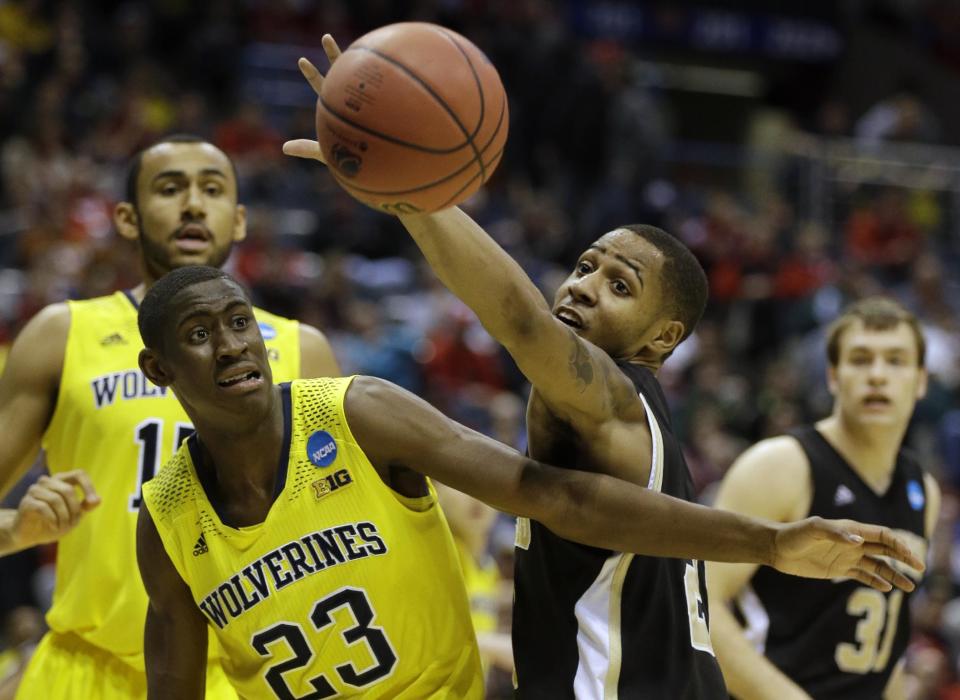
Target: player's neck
column 870, row 450
column 244, row 462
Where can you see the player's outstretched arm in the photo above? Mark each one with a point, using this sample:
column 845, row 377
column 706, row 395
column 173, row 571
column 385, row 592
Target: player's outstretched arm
column 50, row 509
column 28, row 390
column 175, row 634
column 577, row 379
column 397, row 429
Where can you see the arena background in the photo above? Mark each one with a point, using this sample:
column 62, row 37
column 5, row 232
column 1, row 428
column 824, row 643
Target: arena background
column 807, row 153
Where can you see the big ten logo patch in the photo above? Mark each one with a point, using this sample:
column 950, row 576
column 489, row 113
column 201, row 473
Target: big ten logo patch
column 321, row 449
column 331, row 482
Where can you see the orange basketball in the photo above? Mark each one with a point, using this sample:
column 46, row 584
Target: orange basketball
column 412, row 118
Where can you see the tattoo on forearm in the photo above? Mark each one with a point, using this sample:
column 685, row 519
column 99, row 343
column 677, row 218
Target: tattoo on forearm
column 581, row 365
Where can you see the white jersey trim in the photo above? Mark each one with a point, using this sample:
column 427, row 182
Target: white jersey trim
column 655, row 482
column 755, row 617
column 599, row 637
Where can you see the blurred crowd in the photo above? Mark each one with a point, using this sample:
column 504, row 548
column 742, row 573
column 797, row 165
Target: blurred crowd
column 592, row 145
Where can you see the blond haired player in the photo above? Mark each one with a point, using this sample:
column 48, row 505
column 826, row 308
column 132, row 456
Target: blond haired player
column 72, row 385
column 835, row 639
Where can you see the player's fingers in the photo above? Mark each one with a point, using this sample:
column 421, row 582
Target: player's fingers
column 880, row 541
column 868, row 579
column 81, row 480
column 330, row 47
column 311, row 73
column 63, row 492
column 880, row 568
column 303, row 148
column 48, row 502
column 838, row 531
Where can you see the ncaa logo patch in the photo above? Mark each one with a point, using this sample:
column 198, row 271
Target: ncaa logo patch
column 322, row 448
column 915, row 494
column 267, row 331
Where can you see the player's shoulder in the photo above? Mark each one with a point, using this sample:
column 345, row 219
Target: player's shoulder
column 780, row 456
column 273, row 322
column 43, row 339
column 171, row 489
column 771, row 478
column 108, row 304
column 322, row 387
column 52, row 317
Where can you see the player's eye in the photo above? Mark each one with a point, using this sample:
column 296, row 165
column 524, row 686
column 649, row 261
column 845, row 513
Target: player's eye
column 621, row 287
column 584, row 267
column 240, row 322
column 169, row 189
column 213, row 189
column 198, row 335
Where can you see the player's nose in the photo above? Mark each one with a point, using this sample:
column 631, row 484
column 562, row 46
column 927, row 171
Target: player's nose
column 583, row 289
column 193, row 201
column 230, row 345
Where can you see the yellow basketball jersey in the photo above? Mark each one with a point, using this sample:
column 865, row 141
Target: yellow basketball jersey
column 346, row 588
column 112, row 422
column 482, row 581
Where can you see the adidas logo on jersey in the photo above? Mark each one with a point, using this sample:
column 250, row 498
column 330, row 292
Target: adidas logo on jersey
column 200, row 547
column 114, row 339
column 843, row 496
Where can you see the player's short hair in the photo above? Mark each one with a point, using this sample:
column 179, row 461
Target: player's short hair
column 136, row 163
column 877, row 314
column 156, row 307
column 685, row 287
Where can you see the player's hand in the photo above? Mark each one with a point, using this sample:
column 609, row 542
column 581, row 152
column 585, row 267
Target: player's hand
column 52, row 507
column 818, row 548
column 307, row 148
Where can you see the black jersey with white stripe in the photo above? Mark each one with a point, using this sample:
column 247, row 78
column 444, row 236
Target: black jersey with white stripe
column 591, row 624
column 839, row 639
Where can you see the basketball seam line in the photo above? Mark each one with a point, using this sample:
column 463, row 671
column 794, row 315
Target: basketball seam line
column 470, row 181
column 386, row 137
column 346, row 183
column 349, row 184
column 426, row 86
column 483, row 103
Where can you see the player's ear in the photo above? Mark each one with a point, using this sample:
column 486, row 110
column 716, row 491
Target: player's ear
column 669, row 337
column 126, row 220
column 240, row 224
column 922, row 383
column 153, row 368
column 832, row 380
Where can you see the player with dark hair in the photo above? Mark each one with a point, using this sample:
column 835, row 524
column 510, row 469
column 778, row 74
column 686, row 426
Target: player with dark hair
column 826, row 639
column 590, row 622
column 72, row 385
column 297, row 524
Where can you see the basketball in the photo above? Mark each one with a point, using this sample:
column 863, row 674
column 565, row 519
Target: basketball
column 412, row 117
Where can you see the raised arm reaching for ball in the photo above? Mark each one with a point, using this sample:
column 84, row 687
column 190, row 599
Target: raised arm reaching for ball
column 595, row 405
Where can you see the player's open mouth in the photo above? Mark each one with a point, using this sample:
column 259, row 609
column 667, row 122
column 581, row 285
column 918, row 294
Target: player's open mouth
column 569, row 317
column 876, row 401
column 192, row 237
column 250, row 378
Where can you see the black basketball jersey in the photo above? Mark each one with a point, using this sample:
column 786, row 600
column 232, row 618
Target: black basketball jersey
column 839, row 639
column 594, row 624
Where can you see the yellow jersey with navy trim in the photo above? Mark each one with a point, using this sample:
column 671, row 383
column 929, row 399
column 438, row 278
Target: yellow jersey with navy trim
column 112, row 422
column 347, row 589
